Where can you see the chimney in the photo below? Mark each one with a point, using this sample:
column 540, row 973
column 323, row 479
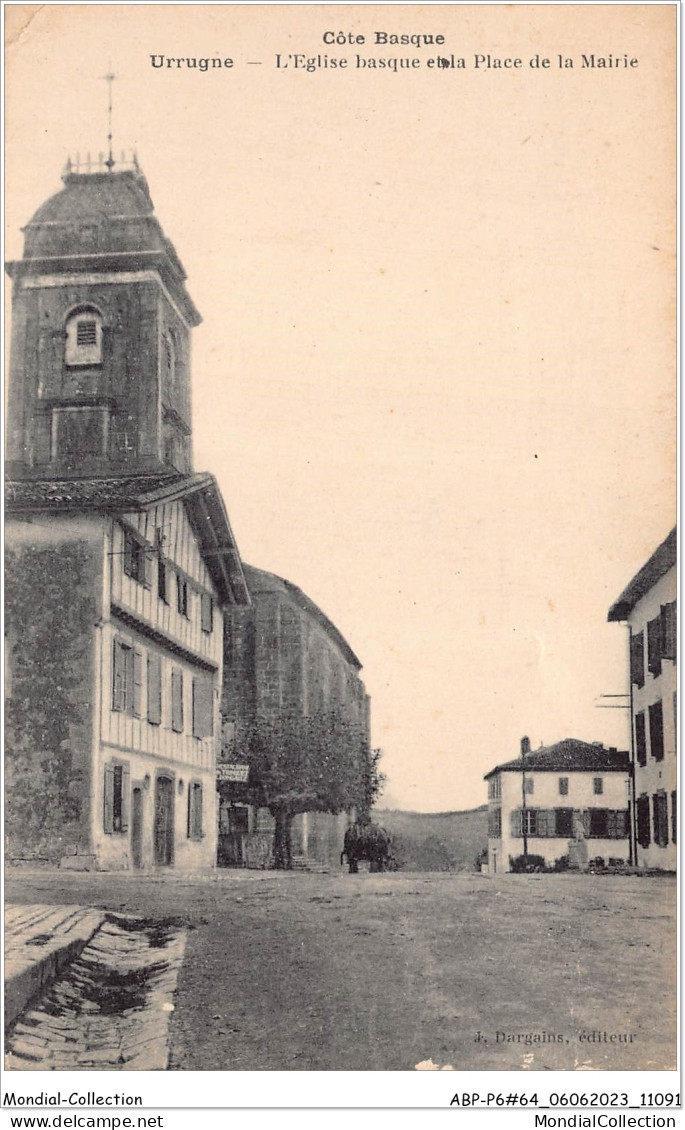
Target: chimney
column 525, row 746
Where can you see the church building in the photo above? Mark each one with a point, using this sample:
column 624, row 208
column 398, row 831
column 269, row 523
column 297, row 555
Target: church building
column 120, row 559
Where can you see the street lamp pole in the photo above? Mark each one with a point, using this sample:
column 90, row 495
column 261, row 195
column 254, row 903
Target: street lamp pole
column 525, row 748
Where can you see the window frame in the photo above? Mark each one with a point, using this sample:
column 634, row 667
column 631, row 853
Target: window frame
column 135, row 551
column 83, row 355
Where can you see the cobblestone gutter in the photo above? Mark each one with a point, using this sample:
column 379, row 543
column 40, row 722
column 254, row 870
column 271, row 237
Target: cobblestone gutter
column 110, row 1009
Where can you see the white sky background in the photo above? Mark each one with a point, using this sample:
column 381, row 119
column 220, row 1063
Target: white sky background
column 435, row 377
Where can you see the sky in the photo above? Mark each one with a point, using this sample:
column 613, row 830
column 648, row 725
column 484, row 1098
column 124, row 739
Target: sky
column 436, row 373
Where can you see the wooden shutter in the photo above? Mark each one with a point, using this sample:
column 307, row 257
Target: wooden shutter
column 654, row 645
column 542, row 823
column 643, row 830
column 669, row 630
column 108, row 808
column 660, row 816
column 637, row 659
column 138, row 683
column 207, row 612
column 203, row 714
column 194, row 810
column 177, row 700
column 640, row 738
column 656, row 731
column 128, row 553
column 674, row 816
column 125, row 797
column 119, row 664
column 516, row 817
column 154, row 689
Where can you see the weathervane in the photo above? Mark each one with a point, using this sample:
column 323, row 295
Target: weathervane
column 109, row 79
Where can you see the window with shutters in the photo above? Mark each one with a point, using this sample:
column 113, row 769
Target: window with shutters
column 674, row 816
column 563, row 822
column 495, row 788
column 669, row 631
column 597, row 786
column 495, row 823
column 524, row 819
column 563, row 786
column 654, row 646
column 207, row 612
column 177, row 700
column 135, row 558
column 122, row 677
column 116, row 798
column 203, row 708
column 194, row 810
column 154, row 690
column 656, row 731
column 127, row 679
column 660, row 813
column 643, row 827
column 637, row 659
column 640, row 738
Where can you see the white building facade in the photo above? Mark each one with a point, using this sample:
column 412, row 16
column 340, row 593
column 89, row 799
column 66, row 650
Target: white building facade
column 550, row 801
column 648, row 605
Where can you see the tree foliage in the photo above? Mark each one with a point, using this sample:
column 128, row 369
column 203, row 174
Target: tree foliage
column 319, row 762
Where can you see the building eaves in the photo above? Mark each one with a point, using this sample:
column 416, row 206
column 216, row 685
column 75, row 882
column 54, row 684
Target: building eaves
column 663, row 559
column 569, row 755
column 199, row 493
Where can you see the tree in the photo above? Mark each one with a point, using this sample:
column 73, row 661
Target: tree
column 316, row 763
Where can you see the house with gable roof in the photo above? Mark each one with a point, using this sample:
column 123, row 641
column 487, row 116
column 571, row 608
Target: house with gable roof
column 550, row 800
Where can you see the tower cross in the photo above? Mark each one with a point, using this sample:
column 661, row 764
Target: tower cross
column 109, row 79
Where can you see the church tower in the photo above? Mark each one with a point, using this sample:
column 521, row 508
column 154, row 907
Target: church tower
column 100, row 371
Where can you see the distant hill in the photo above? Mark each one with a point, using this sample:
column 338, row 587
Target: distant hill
column 436, row 841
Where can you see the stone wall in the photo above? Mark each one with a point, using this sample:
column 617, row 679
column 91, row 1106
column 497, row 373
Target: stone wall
column 52, row 598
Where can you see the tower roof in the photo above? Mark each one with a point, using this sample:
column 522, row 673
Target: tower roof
column 102, row 219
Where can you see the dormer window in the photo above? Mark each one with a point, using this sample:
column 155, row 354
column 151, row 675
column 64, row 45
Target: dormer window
column 83, row 338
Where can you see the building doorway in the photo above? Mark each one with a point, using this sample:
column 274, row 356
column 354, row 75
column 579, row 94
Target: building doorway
column 233, row 829
column 164, row 821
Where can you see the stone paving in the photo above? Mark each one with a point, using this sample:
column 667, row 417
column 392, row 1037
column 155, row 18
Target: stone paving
column 110, row 1009
column 39, row 941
